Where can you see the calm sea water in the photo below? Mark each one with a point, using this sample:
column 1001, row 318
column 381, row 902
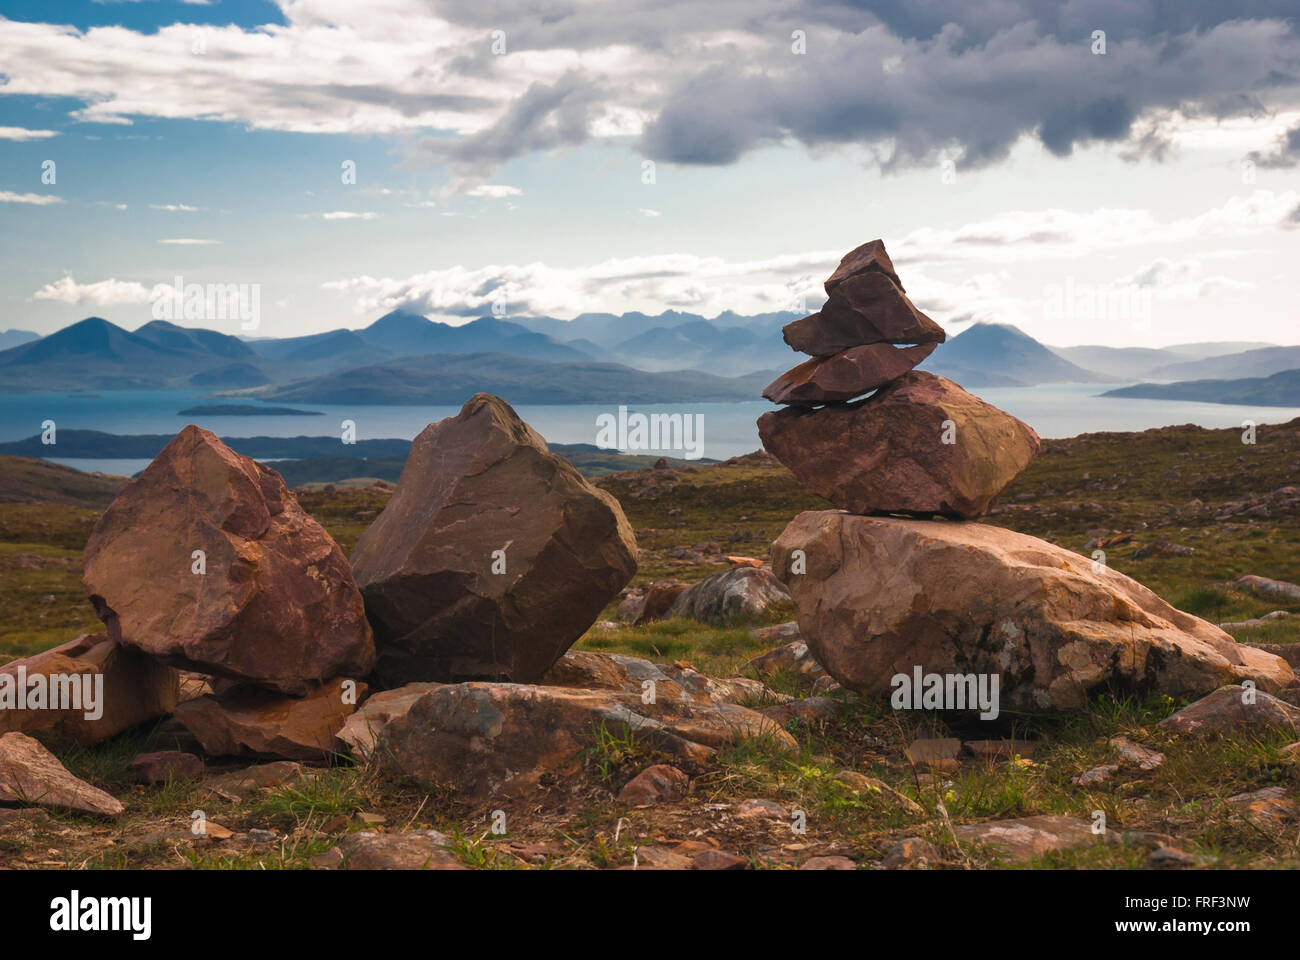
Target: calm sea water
column 1054, row 410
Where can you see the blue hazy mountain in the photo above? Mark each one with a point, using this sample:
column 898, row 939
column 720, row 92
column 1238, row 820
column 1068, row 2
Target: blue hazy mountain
column 16, row 338
column 98, row 355
column 999, row 354
column 409, row 334
column 1278, row 390
column 1260, row 362
column 450, row 378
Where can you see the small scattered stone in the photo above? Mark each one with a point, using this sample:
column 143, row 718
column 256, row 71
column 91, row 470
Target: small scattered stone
column 1143, row 757
column 999, row 749
column 718, row 860
column 416, row 850
column 933, row 752
column 828, row 863
column 1164, row 858
column 1028, row 837
column 912, row 853
column 164, row 765
column 653, row 784
column 657, row 858
column 1096, row 775
column 764, row 809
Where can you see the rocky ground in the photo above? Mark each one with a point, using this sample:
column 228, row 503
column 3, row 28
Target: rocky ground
column 842, row 782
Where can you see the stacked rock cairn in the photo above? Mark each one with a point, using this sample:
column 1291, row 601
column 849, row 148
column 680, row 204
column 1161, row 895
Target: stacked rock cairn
column 919, row 445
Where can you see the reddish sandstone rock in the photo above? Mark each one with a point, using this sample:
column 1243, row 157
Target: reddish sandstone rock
column 164, row 765
column 362, row 727
column 31, row 774
column 445, row 604
column 416, row 850
column 276, row 604
column 921, row 445
column 502, row 740
column 864, row 259
column 135, row 689
column 259, row 722
column 1027, row 837
column 659, row 782
column 880, row 596
column 659, row 600
column 587, row 670
column 846, row 375
column 1231, row 709
column 718, row 860
column 865, row 309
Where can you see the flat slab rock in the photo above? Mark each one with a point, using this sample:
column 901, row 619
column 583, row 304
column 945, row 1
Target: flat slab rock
column 864, row 309
column 921, row 445
column 261, row 723
column 134, row 689
column 880, row 596
column 1029, row 837
column 490, row 740
column 274, row 603
column 361, row 728
column 492, row 557
column 846, row 375
column 30, row 774
column 415, row 850
column 588, row 670
column 1230, row 709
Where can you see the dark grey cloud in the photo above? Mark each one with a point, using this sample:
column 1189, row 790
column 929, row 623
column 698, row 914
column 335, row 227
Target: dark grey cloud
column 969, row 76
column 1285, row 155
column 944, row 94
column 544, row 117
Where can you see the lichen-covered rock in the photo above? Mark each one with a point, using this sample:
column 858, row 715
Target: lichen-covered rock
column 499, row 740
column 879, row 596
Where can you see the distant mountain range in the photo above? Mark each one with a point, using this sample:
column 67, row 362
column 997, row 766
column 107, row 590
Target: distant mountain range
column 1000, row 355
column 403, row 357
column 14, row 338
column 451, row 378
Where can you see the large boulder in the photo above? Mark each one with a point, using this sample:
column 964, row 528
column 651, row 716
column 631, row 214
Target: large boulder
column 503, row 740
column 492, row 557
column 113, row 688
column 880, row 596
column 921, row 445
column 270, row 599
column 846, row 375
column 867, row 308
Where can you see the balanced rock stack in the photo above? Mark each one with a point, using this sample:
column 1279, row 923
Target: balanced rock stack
column 877, row 596
column 921, row 444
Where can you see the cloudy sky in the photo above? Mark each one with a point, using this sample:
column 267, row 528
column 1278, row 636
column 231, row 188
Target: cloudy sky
column 1096, row 171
